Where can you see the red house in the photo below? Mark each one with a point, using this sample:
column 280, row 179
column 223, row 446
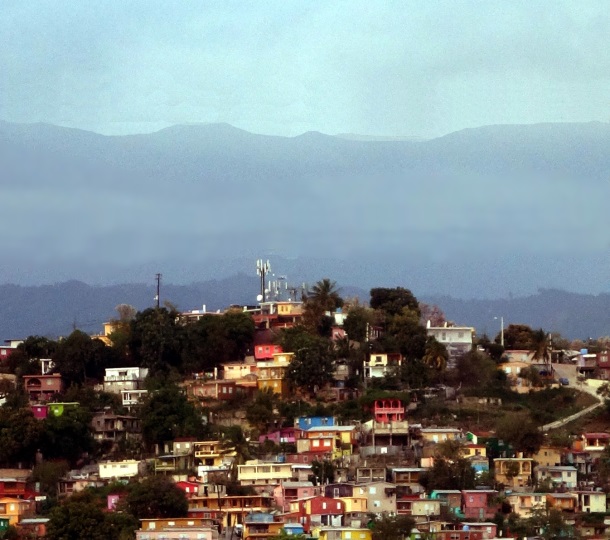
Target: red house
column 480, row 504
column 318, row 511
column 42, row 387
column 265, row 351
column 190, row 488
column 388, row 410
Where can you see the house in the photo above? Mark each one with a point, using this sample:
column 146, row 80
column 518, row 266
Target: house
column 127, row 468
column 229, row 509
column 9, row 347
column 233, row 371
column 413, row 505
column 272, row 374
column 595, row 442
column 450, row 499
column 188, row 528
column 381, row 364
column 261, row 474
column 34, row 527
column 308, row 422
column 565, row 476
column 566, row 502
column 219, row 389
column 355, row 511
column 590, row 501
column 14, row 486
column 513, row 471
column 130, row 378
column 42, row 388
column 211, row 455
column 370, row 474
column 274, row 315
column 15, row 509
column 381, row 496
column 473, row 450
column 107, row 426
column 456, row 339
column 318, row 511
column 261, row 525
column 480, row 504
column 548, row 456
column 288, row 435
column 289, row 491
column 132, row 398
column 343, row 533
column 408, row 477
column 526, row 504
column 436, row 435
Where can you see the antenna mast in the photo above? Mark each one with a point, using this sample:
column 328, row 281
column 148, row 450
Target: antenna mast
column 158, row 278
column 262, row 269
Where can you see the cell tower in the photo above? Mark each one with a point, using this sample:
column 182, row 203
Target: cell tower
column 262, row 269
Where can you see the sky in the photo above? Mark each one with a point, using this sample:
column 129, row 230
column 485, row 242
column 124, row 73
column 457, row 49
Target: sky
column 405, row 68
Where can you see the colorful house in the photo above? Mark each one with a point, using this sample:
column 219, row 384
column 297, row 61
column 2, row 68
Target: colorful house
column 343, row 533
column 15, row 509
column 513, row 471
column 272, row 374
column 318, row 511
column 480, row 504
column 42, row 388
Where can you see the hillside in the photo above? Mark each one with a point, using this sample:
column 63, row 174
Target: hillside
column 477, row 213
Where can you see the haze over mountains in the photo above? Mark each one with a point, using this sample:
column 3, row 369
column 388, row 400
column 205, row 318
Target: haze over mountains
column 479, row 213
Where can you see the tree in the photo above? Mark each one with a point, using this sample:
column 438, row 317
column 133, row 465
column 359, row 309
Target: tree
column 67, row 436
column 312, row 367
column 540, row 347
column 156, row 340
column 323, row 297
column 167, row 414
column 76, row 519
column 475, row 370
column 356, row 323
column 323, row 472
column 521, row 432
column 20, row 436
column 47, row 474
column 431, row 313
column 517, row 336
column 156, row 497
column 449, row 474
column 511, row 471
column 393, row 301
column 78, row 357
column 436, row 355
column 261, row 413
column 387, row 527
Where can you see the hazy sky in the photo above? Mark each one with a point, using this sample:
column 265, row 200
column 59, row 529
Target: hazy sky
column 283, row 67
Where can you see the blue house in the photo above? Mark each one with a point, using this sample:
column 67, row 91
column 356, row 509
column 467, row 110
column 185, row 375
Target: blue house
column 308, row 422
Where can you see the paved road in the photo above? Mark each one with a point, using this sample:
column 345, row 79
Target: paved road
column 569, row 372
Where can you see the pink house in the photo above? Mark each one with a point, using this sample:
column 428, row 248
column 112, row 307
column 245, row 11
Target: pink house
column 480, row 504
column 40, row 412
column 265, row 351
column 389, row 410
column 42, row 387
column 288, row 492
column 284, row 435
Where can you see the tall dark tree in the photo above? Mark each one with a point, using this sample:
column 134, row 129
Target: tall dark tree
column 393, row 301
column 156, row 340
column 157, row 497
column 387, row 527
column 356, row 323
column 312, row 367
column 20, row 437
column 76, row 519
column 67, row 436
column 167, row 414
column 540, row 347
column 78, row 358
column 517, row 337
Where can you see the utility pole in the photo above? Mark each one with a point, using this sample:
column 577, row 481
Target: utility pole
column 158, row 278
column 262, row 269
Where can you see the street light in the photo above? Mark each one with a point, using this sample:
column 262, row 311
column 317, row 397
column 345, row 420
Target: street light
column 501, row 329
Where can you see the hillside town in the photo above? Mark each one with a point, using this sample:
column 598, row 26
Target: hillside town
column 307, row 415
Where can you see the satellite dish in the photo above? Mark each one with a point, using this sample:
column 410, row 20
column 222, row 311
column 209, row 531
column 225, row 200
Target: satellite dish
column 259, row 298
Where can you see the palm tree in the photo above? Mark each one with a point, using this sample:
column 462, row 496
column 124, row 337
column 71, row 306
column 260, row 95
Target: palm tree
column 325, row 295
column 540, row 347
column 436, row 355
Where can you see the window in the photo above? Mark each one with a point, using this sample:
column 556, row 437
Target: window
column 323, row 506
column 373, row 490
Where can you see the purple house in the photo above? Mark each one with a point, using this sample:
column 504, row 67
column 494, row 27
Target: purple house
column 283, row 435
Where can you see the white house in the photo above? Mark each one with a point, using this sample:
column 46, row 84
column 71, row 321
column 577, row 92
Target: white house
column 119, row 469
column 131, row 378
column 457, row 339
column 380, row 364
column 559, row 475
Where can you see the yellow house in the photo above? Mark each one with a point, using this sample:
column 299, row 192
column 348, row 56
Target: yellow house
column 355, row 504
column 513, row 471
column 212, row 454
column 15, row 509
column 342, row 533
column 109, row 327
column 474, row 450
column 548, row 456
column 263, row 473
column 436, row 435
column 272, row 373
column 525, row 504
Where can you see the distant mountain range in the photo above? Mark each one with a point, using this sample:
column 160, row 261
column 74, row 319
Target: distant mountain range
column 479, row 213
column 55, row 310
